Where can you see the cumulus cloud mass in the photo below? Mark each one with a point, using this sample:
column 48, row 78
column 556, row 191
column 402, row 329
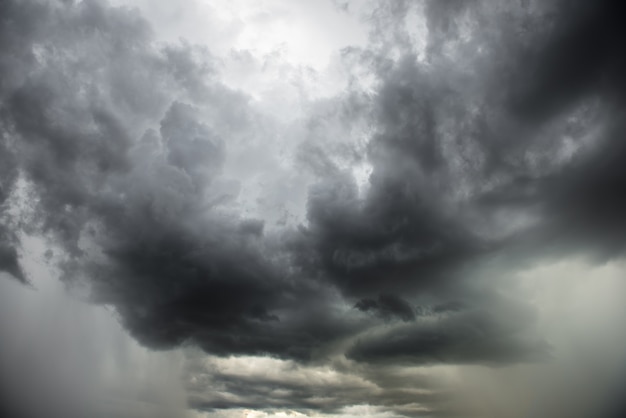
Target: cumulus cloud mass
column 337, row 208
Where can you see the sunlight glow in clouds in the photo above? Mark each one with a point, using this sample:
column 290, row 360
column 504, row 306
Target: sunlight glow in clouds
column 291, row 29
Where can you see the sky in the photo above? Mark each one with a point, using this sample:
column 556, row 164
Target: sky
column 294, row 208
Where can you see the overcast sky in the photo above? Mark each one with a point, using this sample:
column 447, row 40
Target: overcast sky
column 297, row 208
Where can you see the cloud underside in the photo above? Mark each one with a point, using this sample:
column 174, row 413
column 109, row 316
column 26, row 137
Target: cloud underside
column 498, row 143
column 272, row 384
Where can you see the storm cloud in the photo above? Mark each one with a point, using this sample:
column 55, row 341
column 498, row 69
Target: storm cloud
column 377, row 227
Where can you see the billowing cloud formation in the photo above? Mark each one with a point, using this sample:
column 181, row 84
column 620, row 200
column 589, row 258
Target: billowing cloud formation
column 492, row 139
column 136, row 216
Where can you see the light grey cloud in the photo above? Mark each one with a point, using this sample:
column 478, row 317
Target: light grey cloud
column 259, row 383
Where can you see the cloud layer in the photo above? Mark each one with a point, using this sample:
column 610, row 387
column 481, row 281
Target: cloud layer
column 490, row 138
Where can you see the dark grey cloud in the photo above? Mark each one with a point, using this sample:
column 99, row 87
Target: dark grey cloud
column 460, row 170
column 8, row 175
column 501, row 140
column 582, row 56
column 463, row 171
column 387, row 306
column 475, row 337
column 9, row 259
